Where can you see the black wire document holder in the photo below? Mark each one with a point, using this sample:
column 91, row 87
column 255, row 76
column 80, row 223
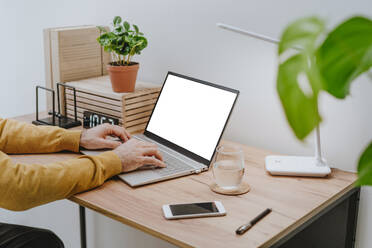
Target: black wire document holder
column 56, row 118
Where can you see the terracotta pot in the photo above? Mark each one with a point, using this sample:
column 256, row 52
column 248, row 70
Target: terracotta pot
column 123, row 78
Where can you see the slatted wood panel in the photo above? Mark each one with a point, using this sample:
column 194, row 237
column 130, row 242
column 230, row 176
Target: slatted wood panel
column 72, row 53
column 95, row 94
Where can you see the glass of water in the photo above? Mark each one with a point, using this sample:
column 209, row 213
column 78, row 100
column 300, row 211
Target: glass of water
column 228, row 167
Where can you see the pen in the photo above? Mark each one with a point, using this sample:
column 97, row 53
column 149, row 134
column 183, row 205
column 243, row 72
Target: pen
column 242, row 229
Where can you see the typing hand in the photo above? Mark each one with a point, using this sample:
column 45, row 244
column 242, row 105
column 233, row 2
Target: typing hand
column 134, row 154
column 98, row 137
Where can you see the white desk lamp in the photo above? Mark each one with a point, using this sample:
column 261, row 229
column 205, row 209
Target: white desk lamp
column 289, row 165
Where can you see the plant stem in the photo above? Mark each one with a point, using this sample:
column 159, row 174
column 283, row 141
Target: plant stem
column 128, row 60
column 118, row 59
column 112, row 57
column 132, row 51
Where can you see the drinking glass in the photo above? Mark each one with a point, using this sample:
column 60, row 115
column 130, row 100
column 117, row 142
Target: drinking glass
column 228, row 167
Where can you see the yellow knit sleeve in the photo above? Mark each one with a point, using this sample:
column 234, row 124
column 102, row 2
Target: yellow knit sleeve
column 23, row 186
column 19, row 137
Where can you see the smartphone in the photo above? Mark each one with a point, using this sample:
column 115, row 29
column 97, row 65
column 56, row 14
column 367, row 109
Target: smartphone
column 193, row 210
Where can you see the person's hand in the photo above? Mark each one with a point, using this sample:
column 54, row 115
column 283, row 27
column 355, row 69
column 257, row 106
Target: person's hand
column 135, row 153
column 97, row 137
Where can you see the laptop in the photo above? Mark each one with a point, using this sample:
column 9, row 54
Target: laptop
column 186, row 124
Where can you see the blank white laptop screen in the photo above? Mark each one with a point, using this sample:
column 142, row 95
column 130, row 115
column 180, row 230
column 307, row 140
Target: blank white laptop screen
column 191, row 115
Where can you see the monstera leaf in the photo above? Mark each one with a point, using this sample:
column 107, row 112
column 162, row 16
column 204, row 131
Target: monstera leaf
column 365, row 167
column 298, row 72
column 345, row 54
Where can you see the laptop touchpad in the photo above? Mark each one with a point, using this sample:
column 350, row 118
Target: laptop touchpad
column 139, row 176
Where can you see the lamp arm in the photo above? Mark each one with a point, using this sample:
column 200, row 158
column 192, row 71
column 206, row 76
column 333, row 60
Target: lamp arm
column 248, row 33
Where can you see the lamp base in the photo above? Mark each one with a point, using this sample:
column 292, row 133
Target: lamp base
column 296, row 166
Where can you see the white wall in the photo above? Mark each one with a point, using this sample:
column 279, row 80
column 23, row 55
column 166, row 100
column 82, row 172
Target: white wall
column 183, row 38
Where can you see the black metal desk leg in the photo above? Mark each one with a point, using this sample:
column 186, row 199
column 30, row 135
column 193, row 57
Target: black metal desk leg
column 83, row 233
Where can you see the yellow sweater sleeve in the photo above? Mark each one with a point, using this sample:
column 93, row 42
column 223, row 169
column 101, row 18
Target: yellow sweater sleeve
column 20, row 137
column 24, row 186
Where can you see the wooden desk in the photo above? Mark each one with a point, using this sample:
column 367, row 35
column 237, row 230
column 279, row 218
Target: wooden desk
column 302, row 207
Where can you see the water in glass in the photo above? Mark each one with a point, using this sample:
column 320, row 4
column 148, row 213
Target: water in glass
column 228, row 167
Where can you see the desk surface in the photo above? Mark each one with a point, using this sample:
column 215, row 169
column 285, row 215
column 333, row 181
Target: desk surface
column 293, row 200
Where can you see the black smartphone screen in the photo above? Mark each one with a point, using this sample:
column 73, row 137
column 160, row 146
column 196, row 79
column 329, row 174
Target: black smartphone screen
column 193, row 208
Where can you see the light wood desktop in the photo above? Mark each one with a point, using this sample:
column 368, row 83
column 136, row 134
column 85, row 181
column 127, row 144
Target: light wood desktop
column 294, row 201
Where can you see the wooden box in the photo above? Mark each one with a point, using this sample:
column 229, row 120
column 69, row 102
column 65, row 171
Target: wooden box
column 95, row 94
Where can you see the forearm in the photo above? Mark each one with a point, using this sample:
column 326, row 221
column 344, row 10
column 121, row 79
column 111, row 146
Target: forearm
column 19, row 137
column 26, row 186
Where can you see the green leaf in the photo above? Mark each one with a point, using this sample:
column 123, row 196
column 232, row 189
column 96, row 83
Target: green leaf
column 143, row 44
column 365, row 167
column 301, row 110
column 301, row 34
column 127, row 39
column 102, row 29
column 104, row 39
column 117, row 20
column 126, row 25
column 345, row 54
column 298, row 80
column 118, row 30
column 136, row 28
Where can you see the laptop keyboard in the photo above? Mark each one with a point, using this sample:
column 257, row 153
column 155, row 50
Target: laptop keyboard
column 174, row 165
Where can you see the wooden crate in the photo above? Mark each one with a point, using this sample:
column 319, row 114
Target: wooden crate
column 95, row 94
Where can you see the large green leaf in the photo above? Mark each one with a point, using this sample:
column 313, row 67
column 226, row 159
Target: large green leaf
column 301, row 34
column 345, row 54
column 365, row 167
column 300, row 107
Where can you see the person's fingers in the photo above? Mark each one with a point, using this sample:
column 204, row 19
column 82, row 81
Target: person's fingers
column 106, row 143
column 141, row 142
column 146, row 144
column 128, row 134
column 153, row 161
column 149, row 146
column 117, row 131
column 153, row 152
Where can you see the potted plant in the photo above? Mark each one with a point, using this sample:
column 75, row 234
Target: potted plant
column 328, row 62
column 123, row 43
